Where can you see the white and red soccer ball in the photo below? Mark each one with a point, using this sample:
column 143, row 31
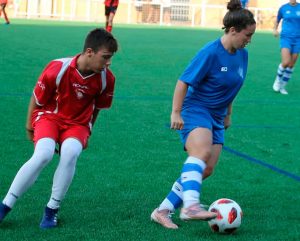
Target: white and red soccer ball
column 229, row 216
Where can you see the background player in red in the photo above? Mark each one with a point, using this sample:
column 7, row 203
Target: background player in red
column 63, row 109
column 3, row 4
column 110, row 12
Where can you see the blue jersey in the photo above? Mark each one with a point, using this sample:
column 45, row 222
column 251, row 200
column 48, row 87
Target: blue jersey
column 290, row 16
column 244, row 3
column 214, row 78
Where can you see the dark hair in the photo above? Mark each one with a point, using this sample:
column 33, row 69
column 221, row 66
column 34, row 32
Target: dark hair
column 98, row 38
column 237, row 17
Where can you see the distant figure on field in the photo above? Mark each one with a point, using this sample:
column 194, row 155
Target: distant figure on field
column 3, row 4
column 244, row 3
column 289, row 14
column 139, row 10
column 111, row 7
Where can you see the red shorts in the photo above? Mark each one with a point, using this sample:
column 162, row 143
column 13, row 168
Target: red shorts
column 59, row 132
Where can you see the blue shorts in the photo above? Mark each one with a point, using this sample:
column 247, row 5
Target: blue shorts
column 202, row 118
column 293, row 44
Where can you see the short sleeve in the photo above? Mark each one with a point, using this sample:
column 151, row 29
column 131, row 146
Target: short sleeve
column 198, row 68
column 46, row 85
column 279, row 15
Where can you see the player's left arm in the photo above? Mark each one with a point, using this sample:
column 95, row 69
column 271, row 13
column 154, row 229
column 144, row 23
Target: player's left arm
column 31, row 107
column 227, row 120
column 95, row 116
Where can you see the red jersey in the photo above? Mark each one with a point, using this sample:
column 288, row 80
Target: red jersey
column 111, row 3
column 64, row 94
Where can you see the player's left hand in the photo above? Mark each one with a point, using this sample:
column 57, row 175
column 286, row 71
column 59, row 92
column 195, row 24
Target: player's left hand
column 29, row 134
column 227, row 121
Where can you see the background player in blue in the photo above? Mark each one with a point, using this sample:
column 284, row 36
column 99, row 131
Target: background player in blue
column 202, row 105
column 244, row 3
column 289, row 43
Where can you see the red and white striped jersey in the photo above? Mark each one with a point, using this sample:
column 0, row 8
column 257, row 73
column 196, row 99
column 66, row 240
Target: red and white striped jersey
column 64, row 94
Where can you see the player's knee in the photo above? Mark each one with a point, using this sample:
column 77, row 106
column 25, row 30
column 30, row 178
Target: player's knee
column 286, row 63
column 203, row 154
column 44, row 156
column 69, row 155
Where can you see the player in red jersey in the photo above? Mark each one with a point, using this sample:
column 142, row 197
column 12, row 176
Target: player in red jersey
column 3, row 4
column 110, row 12
column 62, row 111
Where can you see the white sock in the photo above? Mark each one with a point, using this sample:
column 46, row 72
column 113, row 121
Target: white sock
column 69, row 153
column 29, row 172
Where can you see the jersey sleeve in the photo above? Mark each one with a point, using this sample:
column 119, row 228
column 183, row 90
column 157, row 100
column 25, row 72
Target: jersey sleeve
column 46, row 85
column 279, row 15
column 104, row 100
column 198, row 68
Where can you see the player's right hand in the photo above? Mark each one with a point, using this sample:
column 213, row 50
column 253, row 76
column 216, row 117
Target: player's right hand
column 29, row 134
column 275, row 33
column 176, row 121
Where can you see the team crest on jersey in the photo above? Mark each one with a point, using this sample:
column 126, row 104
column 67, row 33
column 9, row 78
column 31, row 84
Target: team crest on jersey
column 79, row 94
column 288, row 12
column 223, row 69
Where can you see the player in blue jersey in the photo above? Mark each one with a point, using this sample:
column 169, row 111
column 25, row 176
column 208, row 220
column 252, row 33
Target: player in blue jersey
column 202, row 106
column 289, row 14
column 244, row 3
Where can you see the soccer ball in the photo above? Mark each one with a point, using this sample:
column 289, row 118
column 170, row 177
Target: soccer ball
column 229, row 216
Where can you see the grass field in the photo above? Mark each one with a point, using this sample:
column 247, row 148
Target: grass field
column 133, row 158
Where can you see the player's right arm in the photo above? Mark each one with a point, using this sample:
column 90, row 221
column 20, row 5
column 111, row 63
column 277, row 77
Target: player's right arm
column 179, row 94
column 276, row 23
column 31, row 107
column 275, row 29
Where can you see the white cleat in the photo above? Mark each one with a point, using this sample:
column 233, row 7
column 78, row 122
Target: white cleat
column 276, row 85
column 283, row 91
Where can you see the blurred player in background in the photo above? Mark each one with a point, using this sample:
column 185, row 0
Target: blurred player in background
column 289, row 14
column 63, row 109
column 201, row 111
column 244, row 3
column 3, row 4
column 110, row 12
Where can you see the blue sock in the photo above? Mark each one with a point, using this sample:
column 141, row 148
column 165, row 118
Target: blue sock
column 174, row 198
column 191, row 179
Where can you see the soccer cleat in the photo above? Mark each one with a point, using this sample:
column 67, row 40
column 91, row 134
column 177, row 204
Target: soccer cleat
column 163, row 217
column 49, row 219
column 276, row 85
column 4, row 210
column 195, row 212
column 283, row 90
column 204, row 206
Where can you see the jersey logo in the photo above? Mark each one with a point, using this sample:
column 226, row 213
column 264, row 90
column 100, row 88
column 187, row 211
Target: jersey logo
column 223, row 69
column 288, row 12
column 41, row 85
column 79, row 90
